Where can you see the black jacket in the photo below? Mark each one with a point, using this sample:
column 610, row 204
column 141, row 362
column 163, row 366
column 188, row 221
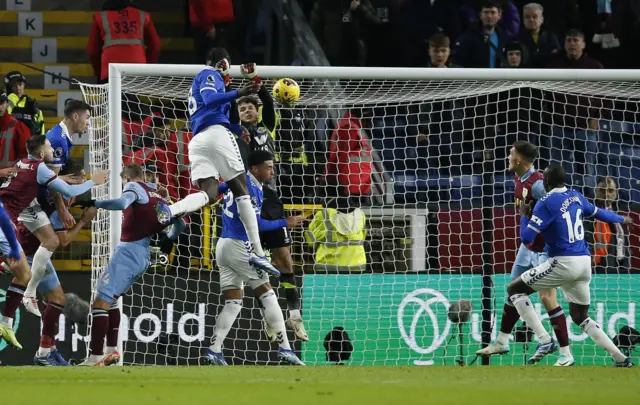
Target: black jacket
column 472, row 49
column 538, row 55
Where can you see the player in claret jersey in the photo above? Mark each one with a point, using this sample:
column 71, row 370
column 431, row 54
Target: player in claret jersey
column 17, row 193
column 213, row 150
column 558, row 217
column 49, row 286
column 530, row 188
column 130, row 259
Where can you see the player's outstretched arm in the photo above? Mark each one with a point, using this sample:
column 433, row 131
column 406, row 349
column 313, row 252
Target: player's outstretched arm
column 179, row 225
column 116, row 204
column 46, row 177
column 602, row 214
column 265, row 225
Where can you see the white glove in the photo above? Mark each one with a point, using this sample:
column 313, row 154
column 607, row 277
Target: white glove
column 249, row 71
column 223, row 67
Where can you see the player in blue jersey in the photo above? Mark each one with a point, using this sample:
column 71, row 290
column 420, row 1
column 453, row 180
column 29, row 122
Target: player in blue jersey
column 232, row 254
column 75, row 121
column 213, row 151
column 558, row 216
column 10, row 248
column 130, row 259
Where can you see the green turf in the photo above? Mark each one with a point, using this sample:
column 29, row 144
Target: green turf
column 319, row 385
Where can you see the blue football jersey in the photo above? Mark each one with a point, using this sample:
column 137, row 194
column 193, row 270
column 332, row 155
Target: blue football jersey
column 203, row 115
column 559, row 216
column 232, row 226
column 60, row 140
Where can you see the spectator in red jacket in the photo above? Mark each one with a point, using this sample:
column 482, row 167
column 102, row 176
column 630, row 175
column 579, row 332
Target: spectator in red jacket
column 120, row 34
column 150, row 148
column 212, row 24
column 16, row 133
column 349, row 165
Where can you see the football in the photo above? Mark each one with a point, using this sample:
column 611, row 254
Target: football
column 286, row 91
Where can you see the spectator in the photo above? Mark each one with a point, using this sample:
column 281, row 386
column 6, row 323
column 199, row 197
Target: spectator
column 575, row 118
column 21, row 106
column 608, row 240
column 212, row 23
column 349, row 165
column 13, row 138
column 439, row 51
column 539, row 42
column 604, row 35
column 560, row 15
column 150, row 148
column 420, row 20
column 481, row 47
column 341, row 28
column 119, row 34
column 626, row 24
column 509, row 21
column 514, row 53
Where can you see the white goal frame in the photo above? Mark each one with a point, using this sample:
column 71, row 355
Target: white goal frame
column 527, row 76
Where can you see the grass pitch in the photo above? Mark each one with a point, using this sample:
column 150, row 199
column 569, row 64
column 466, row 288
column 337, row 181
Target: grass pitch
column 319, row 385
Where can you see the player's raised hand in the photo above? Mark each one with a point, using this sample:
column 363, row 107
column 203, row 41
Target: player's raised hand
column 88, row 214
column 295, row 221
column 628, row 221
column 223, row 67
column 99, row 177
column 249, row 71
column 251, row 88
column 7, row 172
column 525, row 209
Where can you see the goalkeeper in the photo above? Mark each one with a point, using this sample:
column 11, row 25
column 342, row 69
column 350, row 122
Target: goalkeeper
column 262, row 126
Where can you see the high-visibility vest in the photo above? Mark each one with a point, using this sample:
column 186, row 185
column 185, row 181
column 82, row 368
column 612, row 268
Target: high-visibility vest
column 120, row 30
column 26, row 110
column 338, row 247
column 8, row 151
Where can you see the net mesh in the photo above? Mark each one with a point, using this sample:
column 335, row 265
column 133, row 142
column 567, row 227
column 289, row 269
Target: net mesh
column 441, row 223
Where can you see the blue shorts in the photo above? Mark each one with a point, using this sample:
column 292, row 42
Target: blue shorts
column 526, row 260
column 129, row 261
column 4, row 244
column 50, row 279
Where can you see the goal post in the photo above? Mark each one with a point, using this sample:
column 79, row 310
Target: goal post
column 442, row 224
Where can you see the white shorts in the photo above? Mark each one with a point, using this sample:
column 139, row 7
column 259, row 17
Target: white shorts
column 214, row 153
column 232, row 257
column 33, row 217
column 572, row 274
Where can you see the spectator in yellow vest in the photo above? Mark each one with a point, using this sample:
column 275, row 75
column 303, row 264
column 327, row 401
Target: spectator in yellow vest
column 338, row 237
column 21, row 106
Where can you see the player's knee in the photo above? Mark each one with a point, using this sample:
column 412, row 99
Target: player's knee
column 51, row 244
column 549, row 299
column 22, row 272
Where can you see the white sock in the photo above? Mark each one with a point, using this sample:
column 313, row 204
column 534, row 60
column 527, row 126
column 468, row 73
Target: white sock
column 7, row 321
column 295, row 314
column 273, row 316
column 525, row 309
column 250, row 222
column 566, row 350
column 503, row 338
column 38, row 268
column 595, row 332
column 43, row 351
column 110, row 349
column 224, row 321
column 96, row 357
column 191, row 203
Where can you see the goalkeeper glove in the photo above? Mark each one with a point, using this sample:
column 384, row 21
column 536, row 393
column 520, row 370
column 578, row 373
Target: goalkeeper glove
column 250, row 72
column 223, row 67
column 85, row 203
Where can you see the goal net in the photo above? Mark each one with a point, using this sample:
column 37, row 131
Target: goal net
column 441, row 224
